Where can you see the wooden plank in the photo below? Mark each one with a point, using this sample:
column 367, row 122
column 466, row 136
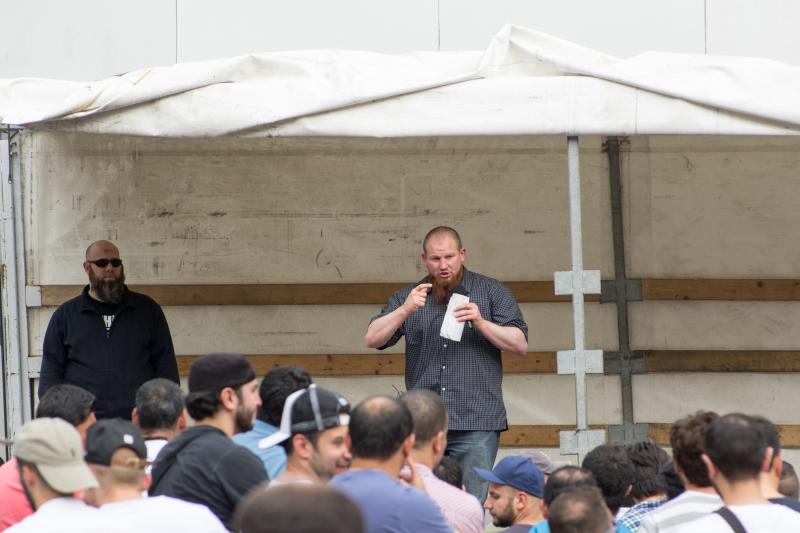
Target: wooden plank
column 789, row 434
column 536, row 436
column 374, row 364
column 767, row 290
column 722, row 361
column 292, row 293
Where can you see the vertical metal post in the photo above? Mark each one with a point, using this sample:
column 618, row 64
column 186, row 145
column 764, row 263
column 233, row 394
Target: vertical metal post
column 15, row 324
column 576, row 238
column 578, row 282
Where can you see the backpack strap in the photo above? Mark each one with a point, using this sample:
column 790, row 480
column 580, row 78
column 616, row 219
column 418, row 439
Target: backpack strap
column 731, row 519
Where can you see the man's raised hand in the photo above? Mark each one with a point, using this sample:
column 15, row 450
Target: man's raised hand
column 417, row 297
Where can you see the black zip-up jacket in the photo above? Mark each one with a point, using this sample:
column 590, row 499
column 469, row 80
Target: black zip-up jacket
column 111, row 365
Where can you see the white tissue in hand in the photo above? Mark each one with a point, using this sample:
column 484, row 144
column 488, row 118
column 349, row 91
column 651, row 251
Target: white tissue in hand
column 451, row 328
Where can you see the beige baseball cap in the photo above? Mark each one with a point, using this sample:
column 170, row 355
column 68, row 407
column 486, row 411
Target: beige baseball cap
column 55, row 447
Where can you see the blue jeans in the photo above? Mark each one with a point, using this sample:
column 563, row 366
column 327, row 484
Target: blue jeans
column 474, row 449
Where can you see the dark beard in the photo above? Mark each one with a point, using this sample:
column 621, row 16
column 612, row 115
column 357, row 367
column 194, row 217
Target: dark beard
column 108, row 291
column 443, row 288
column 243, row 420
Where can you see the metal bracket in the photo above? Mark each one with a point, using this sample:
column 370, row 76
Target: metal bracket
column 631, row 291
column 570, row 282
column 580, row 442
column 627, row 433
column 612, row 363
column 590, row 362
column 33, row 296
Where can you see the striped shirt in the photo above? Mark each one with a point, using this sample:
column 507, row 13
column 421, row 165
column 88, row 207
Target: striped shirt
column 684, row 508
column 461, row 509
column 468, row 375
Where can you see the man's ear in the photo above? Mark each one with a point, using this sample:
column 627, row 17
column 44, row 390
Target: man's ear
column 228, row 398
column 407, row 445
column 86, row 267
column 521, row 500
column 769, row 455
column 710, row 467
column 135, row 417
column 146, row 482
column 302, row 446
column 439, row 443
column 182, row 420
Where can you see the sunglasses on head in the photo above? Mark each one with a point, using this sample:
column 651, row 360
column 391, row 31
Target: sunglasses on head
column 102, row 263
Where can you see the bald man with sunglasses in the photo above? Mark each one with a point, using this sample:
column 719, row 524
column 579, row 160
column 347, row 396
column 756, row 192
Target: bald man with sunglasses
column 108, row 340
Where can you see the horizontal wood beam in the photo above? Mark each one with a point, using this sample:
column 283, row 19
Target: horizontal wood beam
column 292, row 293
column 721, row 361
column 766, row 290
column 374, row 364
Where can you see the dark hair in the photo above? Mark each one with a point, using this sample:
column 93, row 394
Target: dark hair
column 378, row 427
column 647, row 459
column 669, row 476
column 688, row 441
column 449, row 470
column 428, row 412
column 788, row 485
column 613, row 470
column 205, row 404
column 299, row 508
column 566, row 478
column 770, row 435
column 288, row 447
column 276, row 386
column 579, row 510
column 735, row 443
column 159, row 404
column 438, row 230
column 67, row 402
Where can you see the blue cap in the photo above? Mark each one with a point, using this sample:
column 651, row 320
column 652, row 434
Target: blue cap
column 518, row 472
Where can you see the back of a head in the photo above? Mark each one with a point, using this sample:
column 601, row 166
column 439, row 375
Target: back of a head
column 789, row 485
column 564, row 479
column 428, row 412
column 579, row 510
column 159, row 404
column 276, row 386
column 736, row 445
column 648, row 459
column 670, row 478
column 378, row 427
column 67, row 402
column 449, row 470
column 613, row 471
column 298, row 508
column 687, row 437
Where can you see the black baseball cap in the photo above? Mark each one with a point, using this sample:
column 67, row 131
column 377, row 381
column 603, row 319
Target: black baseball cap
column 105, row 437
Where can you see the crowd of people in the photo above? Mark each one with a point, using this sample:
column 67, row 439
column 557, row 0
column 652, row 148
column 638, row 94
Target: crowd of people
column 288, row 455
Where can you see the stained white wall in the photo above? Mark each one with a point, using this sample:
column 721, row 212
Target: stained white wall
column 90, row 39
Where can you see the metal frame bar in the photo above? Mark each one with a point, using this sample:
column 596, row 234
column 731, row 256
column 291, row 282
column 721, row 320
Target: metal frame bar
column 15, row 318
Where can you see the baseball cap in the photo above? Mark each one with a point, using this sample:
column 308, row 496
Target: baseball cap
column 105, row 437
column 543, row 462
column 518, row 472
column 215, row 371
column 309, row 411
column 55, row 447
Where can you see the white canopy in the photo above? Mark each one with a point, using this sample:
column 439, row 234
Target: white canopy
column 526, row 82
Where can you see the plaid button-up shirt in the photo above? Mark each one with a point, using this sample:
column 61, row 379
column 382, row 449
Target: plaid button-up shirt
column 468, row 375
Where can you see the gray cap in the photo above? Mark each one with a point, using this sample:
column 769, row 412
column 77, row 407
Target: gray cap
column 543, row 461
column 55, row 447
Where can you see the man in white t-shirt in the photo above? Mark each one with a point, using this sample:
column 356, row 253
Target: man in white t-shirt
column 117, row 456
column 49, row 456
column 160, row 414
column 736, row 454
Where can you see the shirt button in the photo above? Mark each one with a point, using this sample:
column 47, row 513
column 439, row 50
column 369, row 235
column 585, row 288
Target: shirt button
column 442, row 389
column 445, row 346
column 442, row 367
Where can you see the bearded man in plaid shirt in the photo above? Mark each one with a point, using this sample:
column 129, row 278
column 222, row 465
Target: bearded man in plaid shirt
column 467, row 374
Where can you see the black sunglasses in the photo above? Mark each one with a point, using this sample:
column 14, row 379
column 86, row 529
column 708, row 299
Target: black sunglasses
column 102, row 263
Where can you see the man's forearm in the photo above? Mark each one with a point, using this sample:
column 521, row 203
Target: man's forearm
column 505, row 338
column 381, row 329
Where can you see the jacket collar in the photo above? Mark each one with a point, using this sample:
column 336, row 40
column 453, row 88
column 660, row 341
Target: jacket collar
column 86, row 300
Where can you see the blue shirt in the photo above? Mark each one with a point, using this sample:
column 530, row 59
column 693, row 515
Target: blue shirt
column 544, row 527
column 388, row 505
column 274, row 458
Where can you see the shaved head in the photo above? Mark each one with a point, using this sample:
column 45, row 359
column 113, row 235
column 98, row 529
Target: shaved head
column 101, row 249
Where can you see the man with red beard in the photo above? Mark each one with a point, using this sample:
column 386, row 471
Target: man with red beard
column 202, row 464
column 467, row 374
column 108, row 340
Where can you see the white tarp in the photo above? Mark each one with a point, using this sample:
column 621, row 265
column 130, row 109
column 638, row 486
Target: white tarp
column 526, row 82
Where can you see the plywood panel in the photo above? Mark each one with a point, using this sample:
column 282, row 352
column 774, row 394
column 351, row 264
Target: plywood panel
column 721, row 289
column 663, row 398
column 306, row 211
column 720, row 207
column 321, row 329
column 722, row 361
column 715, row 325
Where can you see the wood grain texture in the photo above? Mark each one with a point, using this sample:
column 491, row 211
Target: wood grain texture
column 722, row 361
column 766, row 290
column 374, row 364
